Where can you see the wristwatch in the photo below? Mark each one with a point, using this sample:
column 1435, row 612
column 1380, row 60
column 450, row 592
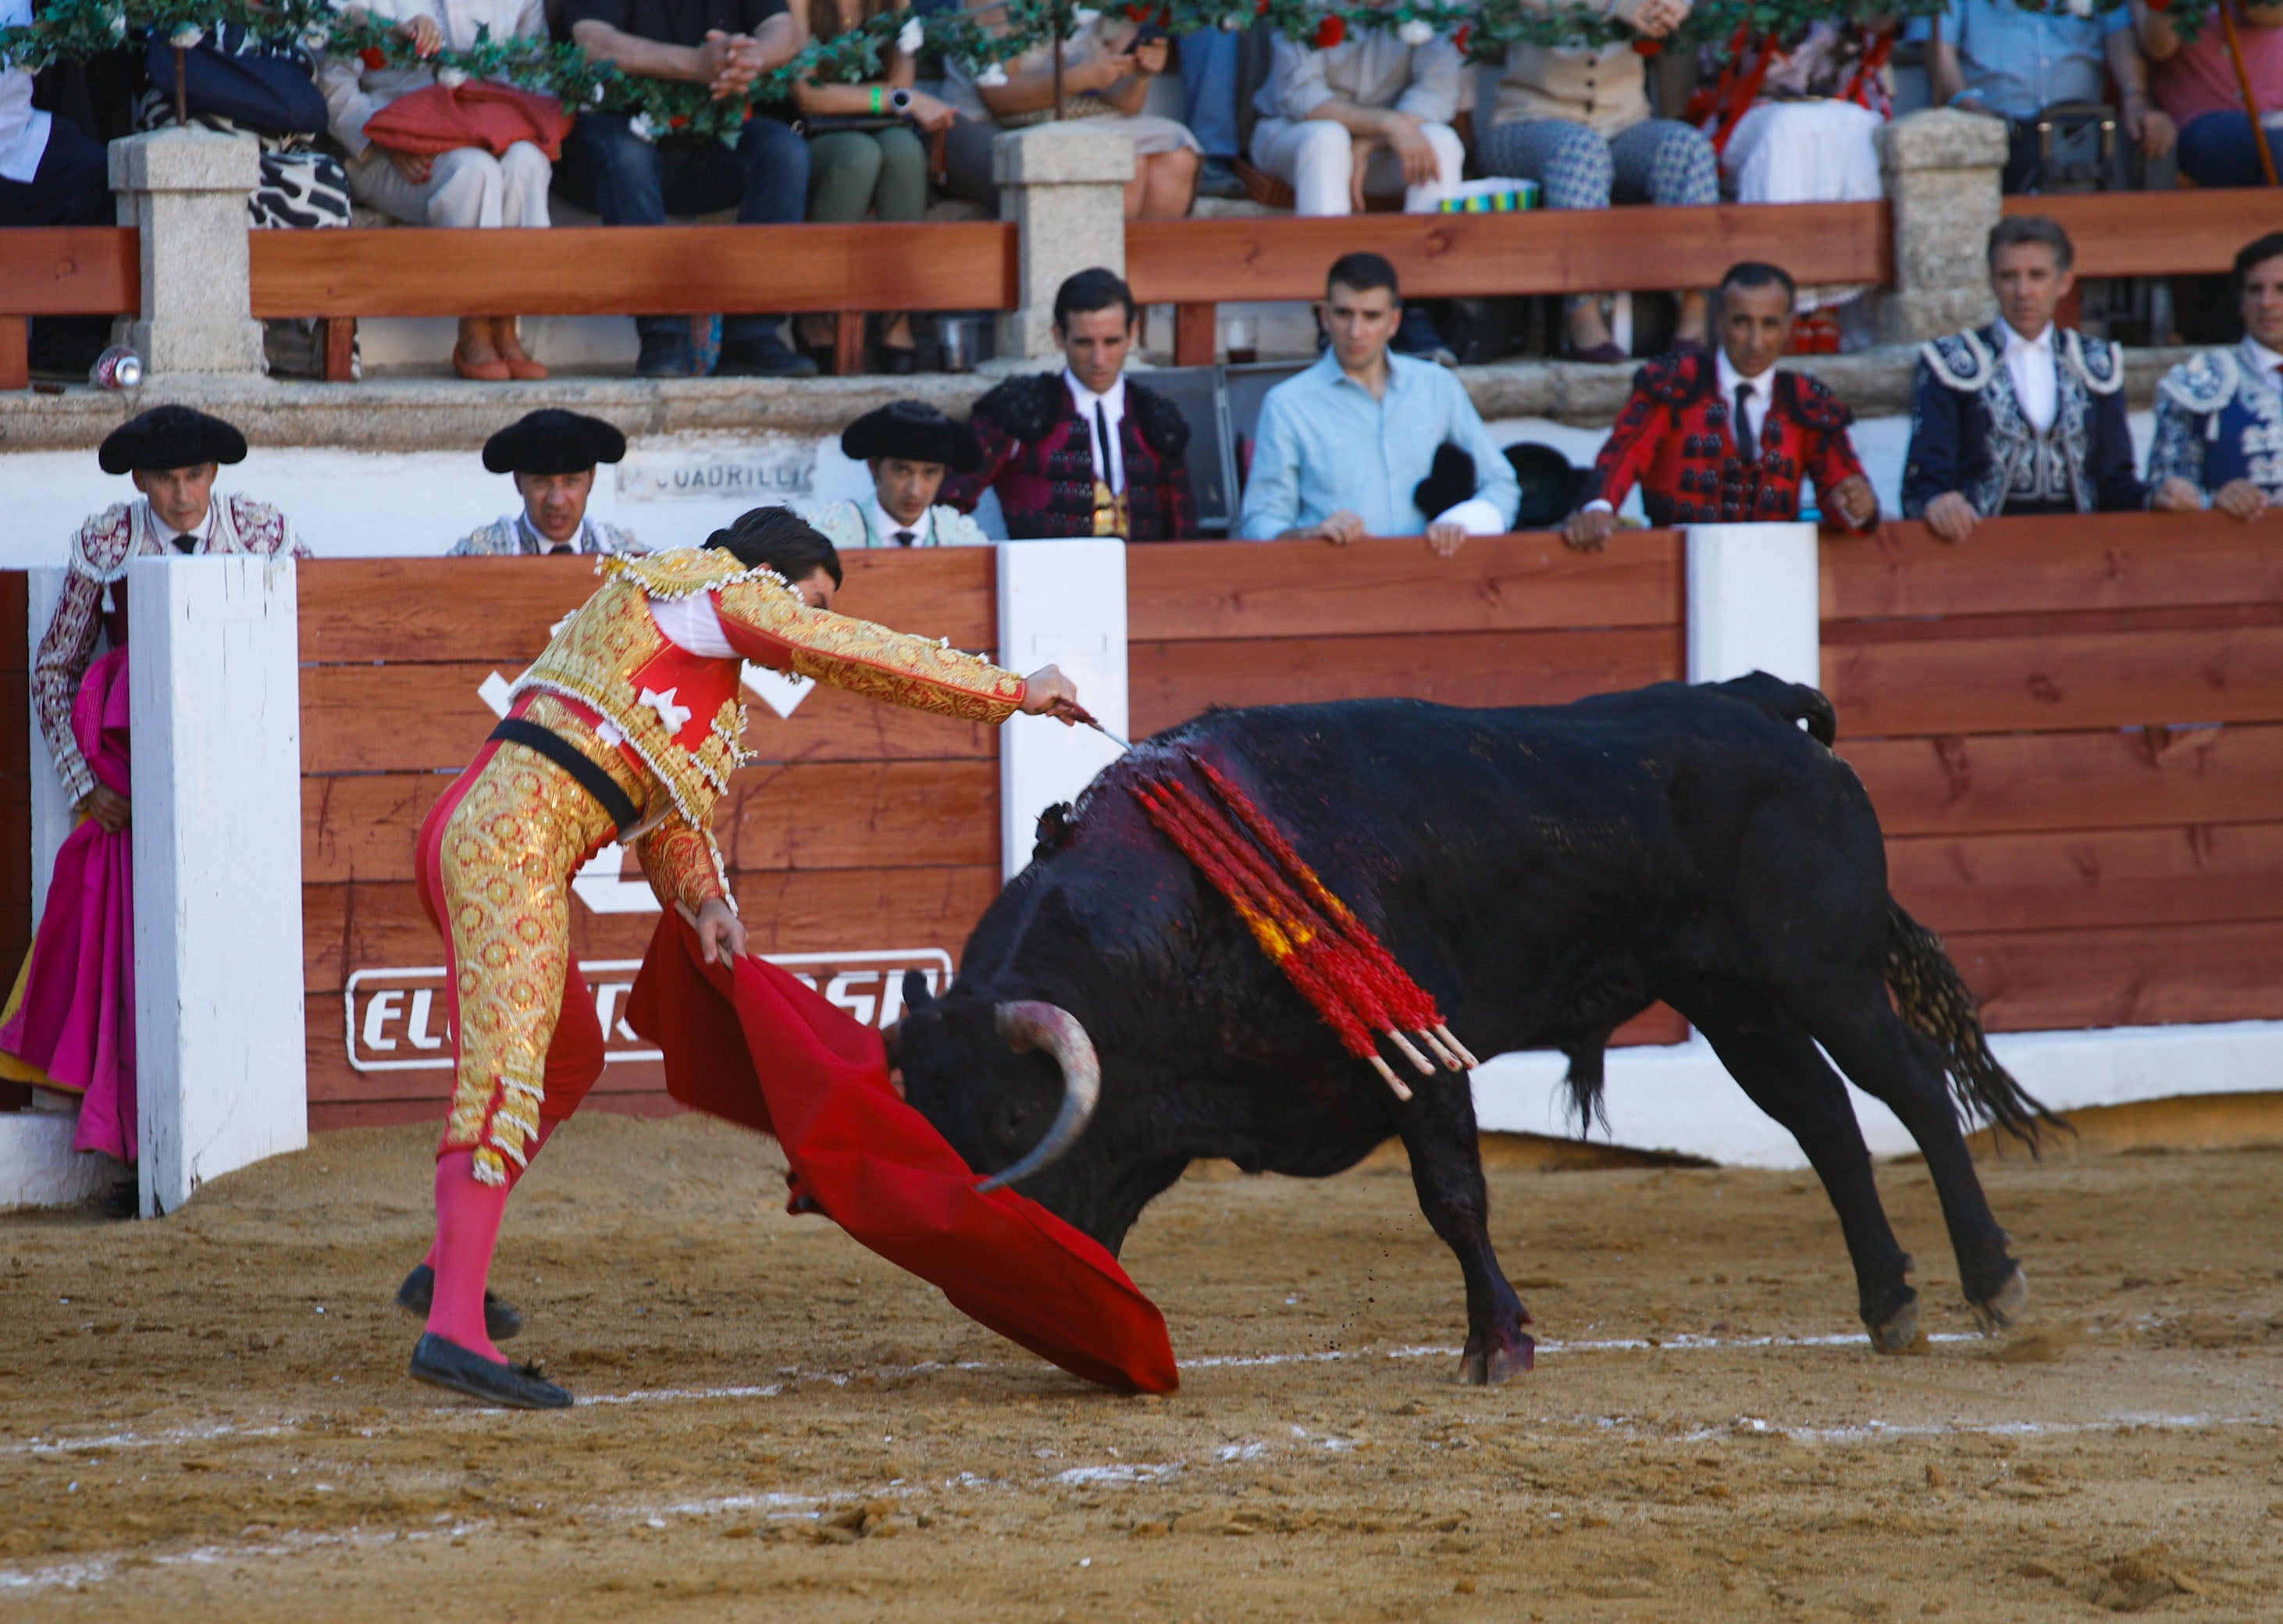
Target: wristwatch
column 899, row 100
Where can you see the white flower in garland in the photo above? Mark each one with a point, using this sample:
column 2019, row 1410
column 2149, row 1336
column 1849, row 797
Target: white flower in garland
column 1084, row 16
column 911, row 36
column 1232, row 23
column 2080, row 8
column 186, row 37
column 595, row 96
column 641, row 128
column 118, row 24
column 1416, row 33
column 991, row 76
column 451, row 78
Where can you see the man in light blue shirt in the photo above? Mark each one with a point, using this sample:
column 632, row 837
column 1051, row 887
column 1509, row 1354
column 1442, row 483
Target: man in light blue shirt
column 1343, row 449
column 2000, row 59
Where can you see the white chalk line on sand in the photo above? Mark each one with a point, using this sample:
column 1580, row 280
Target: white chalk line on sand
column 807, row 1504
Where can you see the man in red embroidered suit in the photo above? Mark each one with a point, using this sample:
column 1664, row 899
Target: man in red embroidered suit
column 625, row 728
column 1727, row 439
column 1085, row 452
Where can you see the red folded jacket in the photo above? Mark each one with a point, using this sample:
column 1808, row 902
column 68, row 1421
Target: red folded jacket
column 494, row 117
column 760, row 1048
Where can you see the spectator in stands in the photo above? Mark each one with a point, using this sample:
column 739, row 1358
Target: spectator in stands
column 52, row 173
column 2219, row 416
column 1727, row 439
column 1107, row 69
column 2024, row 416
column 1367, row 116
column 2010, row 62
column 908, row 447
column 1345, row 448
column 1577, row 119
column 867, row 157
column 1085, row 452
column 74, row 1021
column 631, row 178
column 466, row 186
column 552, row 455
column 1211, row 62
column 2195, row 84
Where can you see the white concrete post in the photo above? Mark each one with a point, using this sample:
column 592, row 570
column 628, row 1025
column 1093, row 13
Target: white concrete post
column 185, row 190
column 1062, row 603
column 1943, row 170
column 1755, row 603
column 221, row 1066
column 1064, row 186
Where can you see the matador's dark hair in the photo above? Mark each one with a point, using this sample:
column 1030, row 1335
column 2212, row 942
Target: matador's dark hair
column 779, row 539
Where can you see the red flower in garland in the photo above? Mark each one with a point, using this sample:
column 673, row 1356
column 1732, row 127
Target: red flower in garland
column 1464, row 38
column 1648, row 47
column 1330, row 32
column 2160, row 5
column 373, row 57
column 678, row 121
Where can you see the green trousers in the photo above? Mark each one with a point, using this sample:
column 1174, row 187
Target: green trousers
column 853, row 173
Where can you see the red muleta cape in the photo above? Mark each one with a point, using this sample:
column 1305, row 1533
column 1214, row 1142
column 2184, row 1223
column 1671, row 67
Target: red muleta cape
column 759, row 1048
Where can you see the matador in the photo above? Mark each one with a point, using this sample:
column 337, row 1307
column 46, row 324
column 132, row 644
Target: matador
column 626, row 728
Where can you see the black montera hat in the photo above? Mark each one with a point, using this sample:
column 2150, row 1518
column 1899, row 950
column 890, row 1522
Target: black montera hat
column 553, row 441
column 170, row 437
column 915, row 431
column 1549, row 485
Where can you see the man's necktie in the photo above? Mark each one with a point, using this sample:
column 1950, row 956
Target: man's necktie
column 905, row 538
column 1745, row 445
column 186, row 544
column 1101, row 427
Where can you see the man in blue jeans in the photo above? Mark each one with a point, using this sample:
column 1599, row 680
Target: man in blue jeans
column 630, row 178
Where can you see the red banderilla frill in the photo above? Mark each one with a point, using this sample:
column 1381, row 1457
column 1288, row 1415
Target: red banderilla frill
column 1324, row 951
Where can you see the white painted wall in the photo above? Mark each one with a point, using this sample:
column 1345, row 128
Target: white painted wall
column 220, row 1064
column 1062, row 604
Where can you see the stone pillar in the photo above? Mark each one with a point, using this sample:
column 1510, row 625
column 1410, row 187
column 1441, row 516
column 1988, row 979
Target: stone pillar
column 1942, row 169
column 1064, row 186
column 185, row 190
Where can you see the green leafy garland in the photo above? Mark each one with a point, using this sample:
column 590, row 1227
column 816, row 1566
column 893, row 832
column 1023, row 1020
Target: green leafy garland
column 1483, row 30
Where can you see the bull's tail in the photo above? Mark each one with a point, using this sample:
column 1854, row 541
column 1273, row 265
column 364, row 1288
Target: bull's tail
column 1792, row 704
column 1935, row 1002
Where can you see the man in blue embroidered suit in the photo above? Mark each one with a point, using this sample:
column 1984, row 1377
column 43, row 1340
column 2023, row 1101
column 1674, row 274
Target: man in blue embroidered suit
column 2219, row 416
column 2022, row 415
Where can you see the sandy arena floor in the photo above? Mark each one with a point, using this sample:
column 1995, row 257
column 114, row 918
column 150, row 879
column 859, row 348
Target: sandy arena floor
column 206, row 1417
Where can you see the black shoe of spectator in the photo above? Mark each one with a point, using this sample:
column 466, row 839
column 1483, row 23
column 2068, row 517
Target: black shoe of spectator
column 665, row 354
column 1417, row 338
column 768, row 357
column 1218, row 179
column 899, row 360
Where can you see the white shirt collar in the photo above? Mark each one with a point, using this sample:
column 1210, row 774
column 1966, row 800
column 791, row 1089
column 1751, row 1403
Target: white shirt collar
column 2043, row 342
column 2267, row 360
column 539, row 538
column 1112, row 399
column 884, row 524
column 167, row 533
column 1763, row 386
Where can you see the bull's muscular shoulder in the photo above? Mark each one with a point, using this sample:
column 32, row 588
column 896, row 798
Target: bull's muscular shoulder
column 1676, row 378
column 1814, row 401
column 1027, row 408
column 1163, row 427
column 262, row 527
column 101, row 548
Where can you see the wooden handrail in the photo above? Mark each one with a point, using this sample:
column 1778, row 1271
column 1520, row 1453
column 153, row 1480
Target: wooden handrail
column 664, row 271
column 2158, row 233
column 62, row 270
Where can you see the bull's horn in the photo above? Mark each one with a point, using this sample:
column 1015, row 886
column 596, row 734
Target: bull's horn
column 1031, row 1025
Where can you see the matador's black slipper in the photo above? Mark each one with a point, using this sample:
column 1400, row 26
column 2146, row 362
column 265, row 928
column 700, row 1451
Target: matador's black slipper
column 519, row 1386
column 503, row 1323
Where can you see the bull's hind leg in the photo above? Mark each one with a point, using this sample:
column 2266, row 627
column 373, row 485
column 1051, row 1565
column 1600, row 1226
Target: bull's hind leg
column 1778, row 1066
column 1900, row 1068
column 1446, row 1169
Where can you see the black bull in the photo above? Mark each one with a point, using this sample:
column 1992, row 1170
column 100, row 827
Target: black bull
column 1546, row 873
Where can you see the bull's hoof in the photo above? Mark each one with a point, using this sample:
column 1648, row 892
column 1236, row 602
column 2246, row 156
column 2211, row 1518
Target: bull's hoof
column 1898, row 1333
column 2003, row 1306
column 1477, row 1369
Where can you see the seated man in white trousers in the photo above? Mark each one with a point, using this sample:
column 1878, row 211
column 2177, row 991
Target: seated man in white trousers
column 1370, row 113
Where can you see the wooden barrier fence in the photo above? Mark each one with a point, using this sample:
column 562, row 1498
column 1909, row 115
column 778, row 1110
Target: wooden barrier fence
column 2073, row 731
column 860, row 830
column 62, row 270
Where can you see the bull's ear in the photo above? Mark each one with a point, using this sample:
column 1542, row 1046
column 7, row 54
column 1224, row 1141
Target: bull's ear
column 916, row 996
